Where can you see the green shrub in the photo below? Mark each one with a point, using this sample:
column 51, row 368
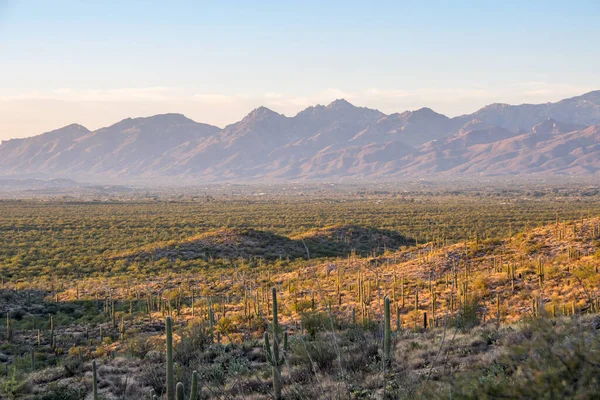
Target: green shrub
column 468, row 316
column 543, row 361
column 56, row 391
column 13, row 385
column 319, row 353
column 315, row 322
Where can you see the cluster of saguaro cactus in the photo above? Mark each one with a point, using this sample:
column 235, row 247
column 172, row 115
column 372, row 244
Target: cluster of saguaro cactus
column 540, row 271
column 272, row 351
column 561, row 231
column 365, row 293
column 573, row 254
column 511, row 273
column 464, row 294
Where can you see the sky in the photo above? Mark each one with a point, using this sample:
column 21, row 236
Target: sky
column 97, row 62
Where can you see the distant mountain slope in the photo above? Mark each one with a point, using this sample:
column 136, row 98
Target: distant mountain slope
column 580, row 110
column 413, row 128
column 129, row 147
column 321, row 142
column 35, row 153
column 495, row 151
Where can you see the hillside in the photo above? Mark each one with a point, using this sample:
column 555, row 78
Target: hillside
column 338, row 241
column 555, row 266
column 223, row 243
column 460, row 314
column 485, row 312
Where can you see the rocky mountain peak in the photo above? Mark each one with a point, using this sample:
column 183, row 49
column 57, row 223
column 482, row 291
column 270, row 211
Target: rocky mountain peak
column 340, row 104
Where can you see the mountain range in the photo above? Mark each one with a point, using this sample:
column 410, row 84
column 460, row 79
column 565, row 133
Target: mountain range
column 337, row 141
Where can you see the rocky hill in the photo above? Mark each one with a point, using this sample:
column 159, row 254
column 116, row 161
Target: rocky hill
column 336, row 241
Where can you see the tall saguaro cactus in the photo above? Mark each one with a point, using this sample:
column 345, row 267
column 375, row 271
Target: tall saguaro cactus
column 52, row 343
column 194, row 387
column 170, row 377
column 95, row 380
column 9, row 333
column 540, row 272
column 273, row 352
column 387, row 332
column 211, row 322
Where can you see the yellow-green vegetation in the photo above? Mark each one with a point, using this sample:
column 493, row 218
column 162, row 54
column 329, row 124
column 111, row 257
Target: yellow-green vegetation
column 428, row 297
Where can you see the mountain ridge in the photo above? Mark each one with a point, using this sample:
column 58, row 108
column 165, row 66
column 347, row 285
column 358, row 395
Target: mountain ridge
column 338, row 140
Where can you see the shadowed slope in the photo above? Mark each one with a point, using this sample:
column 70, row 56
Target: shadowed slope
column 248, row 243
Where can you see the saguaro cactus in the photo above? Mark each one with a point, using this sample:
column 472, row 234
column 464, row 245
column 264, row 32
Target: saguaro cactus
column 9, row 333
column 402, row 290
column 416, row 300
column 541, row 271
column 170, row 378
column 122, row 329
column 193, row 300
column 211, row 323
column 272, row 353
column 179, row 391
column 94, row 380
column 194, row 387
column 498, row 307
column 52, row 337
column 387, row 332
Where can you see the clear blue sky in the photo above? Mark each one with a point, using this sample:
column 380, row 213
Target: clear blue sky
column 95, row 62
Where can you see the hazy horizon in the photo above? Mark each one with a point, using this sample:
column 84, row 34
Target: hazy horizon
column 289, row 115
column 95, row 64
